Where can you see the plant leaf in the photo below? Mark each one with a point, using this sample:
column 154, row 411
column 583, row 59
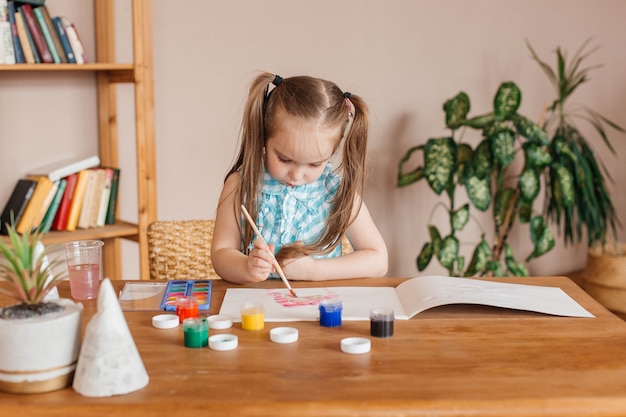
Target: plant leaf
column 516, row 268
column 541, row 236
column 536, row 156
column 529, row 184
column 435, row 238
column 482, row 159
column 459, row 218
column 525, row 211
column 598, row 121
column 439, row 163
column 456, row 110
column 449, row 252
column 502, row 147
column 480, row 258
column 463, row 157
column 504, row 199
column 529, row 129
column 425, row 256
column 495, row 268
column 506, row 101
column 409, row 178
column 480, row 122
column 479, row 192
column 545, row 67
column 563, row 185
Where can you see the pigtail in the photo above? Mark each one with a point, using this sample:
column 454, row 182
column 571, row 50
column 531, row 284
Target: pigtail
column 355, row 148
column 353, row 163
column 250, row 162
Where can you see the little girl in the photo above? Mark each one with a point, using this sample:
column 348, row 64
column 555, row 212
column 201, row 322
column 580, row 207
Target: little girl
column 301, row 204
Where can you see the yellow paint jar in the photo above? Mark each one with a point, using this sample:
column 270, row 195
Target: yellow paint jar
column 252, row 316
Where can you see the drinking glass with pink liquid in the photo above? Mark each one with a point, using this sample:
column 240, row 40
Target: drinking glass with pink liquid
column 83, row 264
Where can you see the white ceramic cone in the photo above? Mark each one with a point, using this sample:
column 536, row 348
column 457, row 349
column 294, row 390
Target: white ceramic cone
column 109, row 363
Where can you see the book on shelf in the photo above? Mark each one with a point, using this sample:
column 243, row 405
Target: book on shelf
column 49, row 34
column 98, row 189
column 17, row 43
column 411, row 297
column 112, row 209
column 28, row 45
column 85, row 210
column 60, row 218
column 46, row 205
column 17, row 202
column 61, row 169
column 77, row 200
column 106, row 196
column 75, row 42
column 65, row 42
column 46, row 223
column 31, row 213
column 7, row 51
column 35, row 32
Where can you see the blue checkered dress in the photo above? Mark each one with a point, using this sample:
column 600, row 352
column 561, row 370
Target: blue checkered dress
column 291, row 214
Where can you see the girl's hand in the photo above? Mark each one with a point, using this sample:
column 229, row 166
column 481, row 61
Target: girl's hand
column 260, row 261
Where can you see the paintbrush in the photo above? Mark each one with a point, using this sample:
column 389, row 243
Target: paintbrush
column 281, row 274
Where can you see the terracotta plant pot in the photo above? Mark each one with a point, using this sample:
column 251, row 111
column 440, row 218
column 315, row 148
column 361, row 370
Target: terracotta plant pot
column 604, row 277
column 40, row 354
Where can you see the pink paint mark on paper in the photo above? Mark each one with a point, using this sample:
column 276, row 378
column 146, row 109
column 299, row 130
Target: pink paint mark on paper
column 285, row 299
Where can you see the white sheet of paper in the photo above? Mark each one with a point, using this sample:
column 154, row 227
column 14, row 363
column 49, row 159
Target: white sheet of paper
column 409, row 298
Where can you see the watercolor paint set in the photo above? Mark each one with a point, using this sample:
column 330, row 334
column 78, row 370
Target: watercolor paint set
column 200, row 289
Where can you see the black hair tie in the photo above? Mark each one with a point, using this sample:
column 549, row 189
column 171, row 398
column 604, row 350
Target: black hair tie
column 277, row 80
column 347, row 95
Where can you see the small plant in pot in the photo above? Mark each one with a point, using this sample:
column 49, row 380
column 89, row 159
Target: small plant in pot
column 35, row 324
column 507, row 170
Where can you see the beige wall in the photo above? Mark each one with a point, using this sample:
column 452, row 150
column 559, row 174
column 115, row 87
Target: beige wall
column 405, row 58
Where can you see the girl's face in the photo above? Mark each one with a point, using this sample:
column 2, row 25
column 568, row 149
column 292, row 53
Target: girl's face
column 298, row 150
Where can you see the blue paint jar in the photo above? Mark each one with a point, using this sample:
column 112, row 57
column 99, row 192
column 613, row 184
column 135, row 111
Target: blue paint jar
column 330, row 313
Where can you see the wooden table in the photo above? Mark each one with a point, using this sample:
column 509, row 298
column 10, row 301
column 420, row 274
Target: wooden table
column 453, row 360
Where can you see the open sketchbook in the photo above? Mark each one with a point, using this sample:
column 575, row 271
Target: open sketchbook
column 407, row 299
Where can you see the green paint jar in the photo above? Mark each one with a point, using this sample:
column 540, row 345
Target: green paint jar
column 196, row 332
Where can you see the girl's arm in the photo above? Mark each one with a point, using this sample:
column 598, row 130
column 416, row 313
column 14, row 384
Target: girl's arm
column 369, row 258
column 227, row 259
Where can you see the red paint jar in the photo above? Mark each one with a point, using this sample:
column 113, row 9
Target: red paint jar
column 186, row 307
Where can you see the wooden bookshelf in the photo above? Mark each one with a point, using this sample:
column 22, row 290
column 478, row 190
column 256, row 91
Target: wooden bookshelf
column 109, row 74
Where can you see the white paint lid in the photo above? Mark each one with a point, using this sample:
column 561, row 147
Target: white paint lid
column 284, row 334
column 355, row 345
column 220, row 321
column 165, row 321
column 223, row 342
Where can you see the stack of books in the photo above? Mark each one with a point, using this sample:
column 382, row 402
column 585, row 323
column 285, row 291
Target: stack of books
column 63, row 196
column 30, row 35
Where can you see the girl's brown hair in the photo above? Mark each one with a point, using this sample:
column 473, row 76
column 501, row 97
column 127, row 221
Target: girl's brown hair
column 310, row 99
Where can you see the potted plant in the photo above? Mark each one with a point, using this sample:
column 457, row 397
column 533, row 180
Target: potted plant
column 40, row 336
column 505, row 172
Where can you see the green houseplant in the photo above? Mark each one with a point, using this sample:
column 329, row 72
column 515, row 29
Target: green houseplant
column 40, row 335
column 515, row 159
column 30, row 278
